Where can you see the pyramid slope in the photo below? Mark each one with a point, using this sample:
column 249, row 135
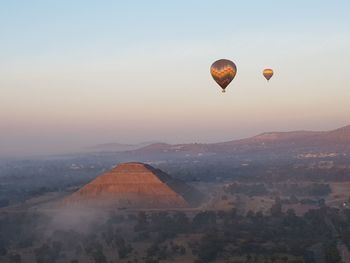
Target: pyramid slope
column 132, row 185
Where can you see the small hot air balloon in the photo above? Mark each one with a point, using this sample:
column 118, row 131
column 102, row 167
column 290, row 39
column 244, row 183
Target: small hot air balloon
column 223, row 72
column 268, row 73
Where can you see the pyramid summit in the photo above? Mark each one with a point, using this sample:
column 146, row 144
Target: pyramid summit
column 135, row 185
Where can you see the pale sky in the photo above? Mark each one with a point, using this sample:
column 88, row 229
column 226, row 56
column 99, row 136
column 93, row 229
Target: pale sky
column 80, row 73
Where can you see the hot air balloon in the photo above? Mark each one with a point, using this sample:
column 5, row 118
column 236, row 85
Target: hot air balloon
column 268, row 73
column 223, row 72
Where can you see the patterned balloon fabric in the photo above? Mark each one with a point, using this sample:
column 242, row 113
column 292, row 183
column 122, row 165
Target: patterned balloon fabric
column 268, row 73
column 223, row 72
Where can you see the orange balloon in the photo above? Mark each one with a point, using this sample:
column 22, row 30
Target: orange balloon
column 268, row 73
column 223, row 72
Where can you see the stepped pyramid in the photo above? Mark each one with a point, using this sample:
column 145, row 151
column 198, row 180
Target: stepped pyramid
column 135, row 185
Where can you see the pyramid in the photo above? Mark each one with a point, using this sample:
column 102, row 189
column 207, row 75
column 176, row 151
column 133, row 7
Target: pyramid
column 135, row 185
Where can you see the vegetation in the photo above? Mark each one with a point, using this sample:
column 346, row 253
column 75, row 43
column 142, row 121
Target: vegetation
column 205, row 236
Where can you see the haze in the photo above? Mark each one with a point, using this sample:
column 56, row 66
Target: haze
column 78, row 73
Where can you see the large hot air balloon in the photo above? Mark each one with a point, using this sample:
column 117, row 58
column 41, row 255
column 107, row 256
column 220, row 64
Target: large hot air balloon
column 223, row 72
column 268, row 73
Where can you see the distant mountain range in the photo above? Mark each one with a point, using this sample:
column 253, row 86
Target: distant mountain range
column 117, row 147
column 338, row 139
column 271, row 145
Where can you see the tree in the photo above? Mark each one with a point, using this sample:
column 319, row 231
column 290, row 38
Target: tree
column 47, row 253
column 209, row 247
column 276, row 209
column 95, row 250
column 142, row 221
column 331, row 252
column 3, row 250
column 15, row 258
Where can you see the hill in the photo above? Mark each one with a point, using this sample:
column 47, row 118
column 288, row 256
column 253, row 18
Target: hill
column 338, row 139
column 116, row 147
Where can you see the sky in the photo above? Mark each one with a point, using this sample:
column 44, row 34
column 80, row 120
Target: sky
column 79, row 73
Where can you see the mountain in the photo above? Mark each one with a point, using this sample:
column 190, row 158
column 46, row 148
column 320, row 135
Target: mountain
column 338, row 139
column 117, row 147
column 135, row 185
column 341, row 134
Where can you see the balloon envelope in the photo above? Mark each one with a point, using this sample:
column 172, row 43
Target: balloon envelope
column 223, row 72
column 268, row 73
